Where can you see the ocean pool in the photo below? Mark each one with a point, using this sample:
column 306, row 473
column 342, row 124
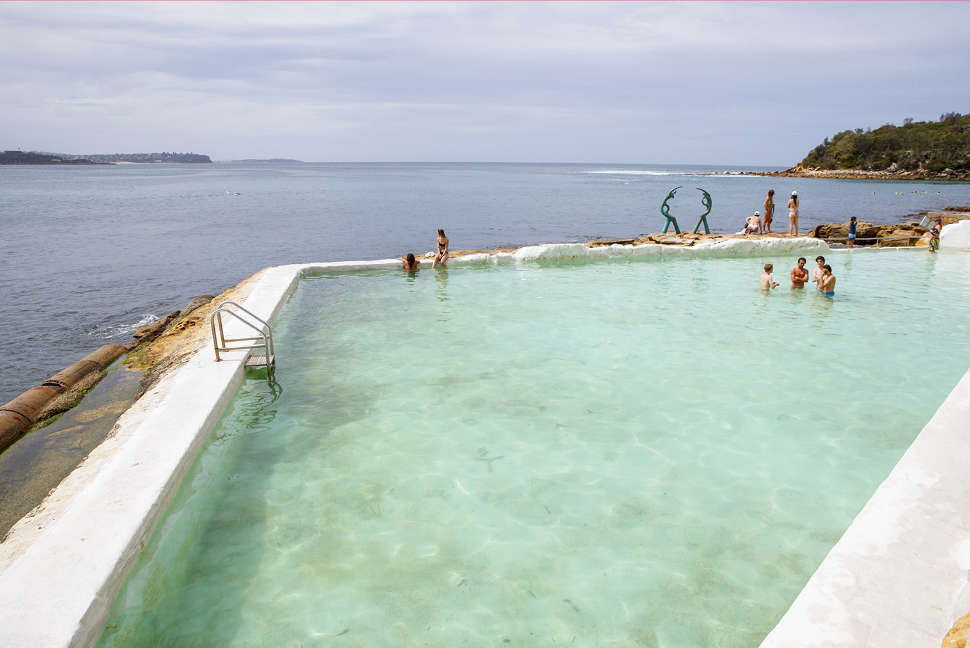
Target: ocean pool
column 628, row 453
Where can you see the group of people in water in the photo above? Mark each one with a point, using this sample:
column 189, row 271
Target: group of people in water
column 822, row 277
column 756, row 224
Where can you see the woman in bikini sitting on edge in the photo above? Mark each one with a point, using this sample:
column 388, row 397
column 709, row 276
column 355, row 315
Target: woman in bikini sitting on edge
column 442, row 256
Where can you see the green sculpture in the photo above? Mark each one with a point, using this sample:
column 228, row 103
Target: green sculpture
column 665, row 210
column 707, row 202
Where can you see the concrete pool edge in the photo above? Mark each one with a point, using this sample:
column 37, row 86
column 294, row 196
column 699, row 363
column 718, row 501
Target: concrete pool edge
column 899, row 575
column 58, row 584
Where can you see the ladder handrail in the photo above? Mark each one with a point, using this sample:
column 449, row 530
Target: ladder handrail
column 263, row 335
column 221, row 343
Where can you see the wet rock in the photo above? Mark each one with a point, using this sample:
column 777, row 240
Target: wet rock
column 201, row 300
column 148, row 332
column 902, row 235
column 673, row 239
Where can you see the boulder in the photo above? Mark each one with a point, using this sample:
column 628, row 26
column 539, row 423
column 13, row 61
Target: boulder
column 148, row 332
column 904, row 234
column 195, row 302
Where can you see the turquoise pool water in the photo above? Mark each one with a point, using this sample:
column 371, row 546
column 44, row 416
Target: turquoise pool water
column 624, row 453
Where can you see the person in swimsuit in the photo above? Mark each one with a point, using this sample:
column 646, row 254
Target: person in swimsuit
column 851, row 240
column 752, row 224
column 935, row 235
column 799, row 275
column 442, row 256
column 817, row 273
column 793, row 214
column 827, row 284
column 410, row 263
column 767, row 282
column 769, row 211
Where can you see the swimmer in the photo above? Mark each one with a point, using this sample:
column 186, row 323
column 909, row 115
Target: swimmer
column 442, row 255
column 769, row 211
column 817, row 273
column 827, row 284
column 410, row 263
column 767, row 283
column 793, row 214
column 799, row 274
column 851, row 240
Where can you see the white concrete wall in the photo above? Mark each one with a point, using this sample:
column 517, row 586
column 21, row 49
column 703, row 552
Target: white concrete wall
column 956, row 236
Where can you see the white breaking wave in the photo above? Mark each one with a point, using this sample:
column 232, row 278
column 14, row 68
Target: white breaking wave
column 703, row 174
column 727, row 247
column 116, row 330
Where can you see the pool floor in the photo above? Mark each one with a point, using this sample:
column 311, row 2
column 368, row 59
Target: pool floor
column 635, row 453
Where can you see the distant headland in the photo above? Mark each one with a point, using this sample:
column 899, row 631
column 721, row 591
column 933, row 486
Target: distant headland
column 34, row 157
column 937, row 150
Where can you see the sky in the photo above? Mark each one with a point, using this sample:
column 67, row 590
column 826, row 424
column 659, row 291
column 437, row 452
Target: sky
column 689, row 83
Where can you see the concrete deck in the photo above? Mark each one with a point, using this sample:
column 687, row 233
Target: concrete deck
column 62, row 567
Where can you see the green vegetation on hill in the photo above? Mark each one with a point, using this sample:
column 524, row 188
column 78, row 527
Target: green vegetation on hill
column 20, row 157
column 914, row 146
column 147, row 158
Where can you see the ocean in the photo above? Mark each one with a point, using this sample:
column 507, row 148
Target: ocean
column 90, row 252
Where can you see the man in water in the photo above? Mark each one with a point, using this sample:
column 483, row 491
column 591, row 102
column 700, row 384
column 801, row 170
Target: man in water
column 827, row 284
column 817, row 273
column 799, row 274
column 767, row 283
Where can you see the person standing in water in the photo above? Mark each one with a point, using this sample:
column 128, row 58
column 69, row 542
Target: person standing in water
column 767, row 281
column 769, row 211
column 827, row 284
column 850, row 242
column 799, row 275
column 817, row 273
column 441, row 257
column 793, row 214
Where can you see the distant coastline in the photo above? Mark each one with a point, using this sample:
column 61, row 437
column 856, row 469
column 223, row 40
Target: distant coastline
column 947, row 175
column 35, row 157
column 20, row 157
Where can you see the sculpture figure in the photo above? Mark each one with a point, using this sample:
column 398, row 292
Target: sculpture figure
column 707, row 202
column 665, row 210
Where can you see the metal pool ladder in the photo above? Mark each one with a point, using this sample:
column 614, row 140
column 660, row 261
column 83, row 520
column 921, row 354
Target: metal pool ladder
column 263, row 341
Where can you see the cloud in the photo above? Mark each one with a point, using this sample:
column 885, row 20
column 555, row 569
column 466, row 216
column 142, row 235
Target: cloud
column 697, row 82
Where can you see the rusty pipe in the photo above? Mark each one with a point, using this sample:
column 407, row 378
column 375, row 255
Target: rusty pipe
column 18, row 415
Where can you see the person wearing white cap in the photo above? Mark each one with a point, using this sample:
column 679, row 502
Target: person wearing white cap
column 752, row 224
column 793, row 214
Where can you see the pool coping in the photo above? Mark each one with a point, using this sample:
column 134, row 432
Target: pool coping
column 61, row 570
